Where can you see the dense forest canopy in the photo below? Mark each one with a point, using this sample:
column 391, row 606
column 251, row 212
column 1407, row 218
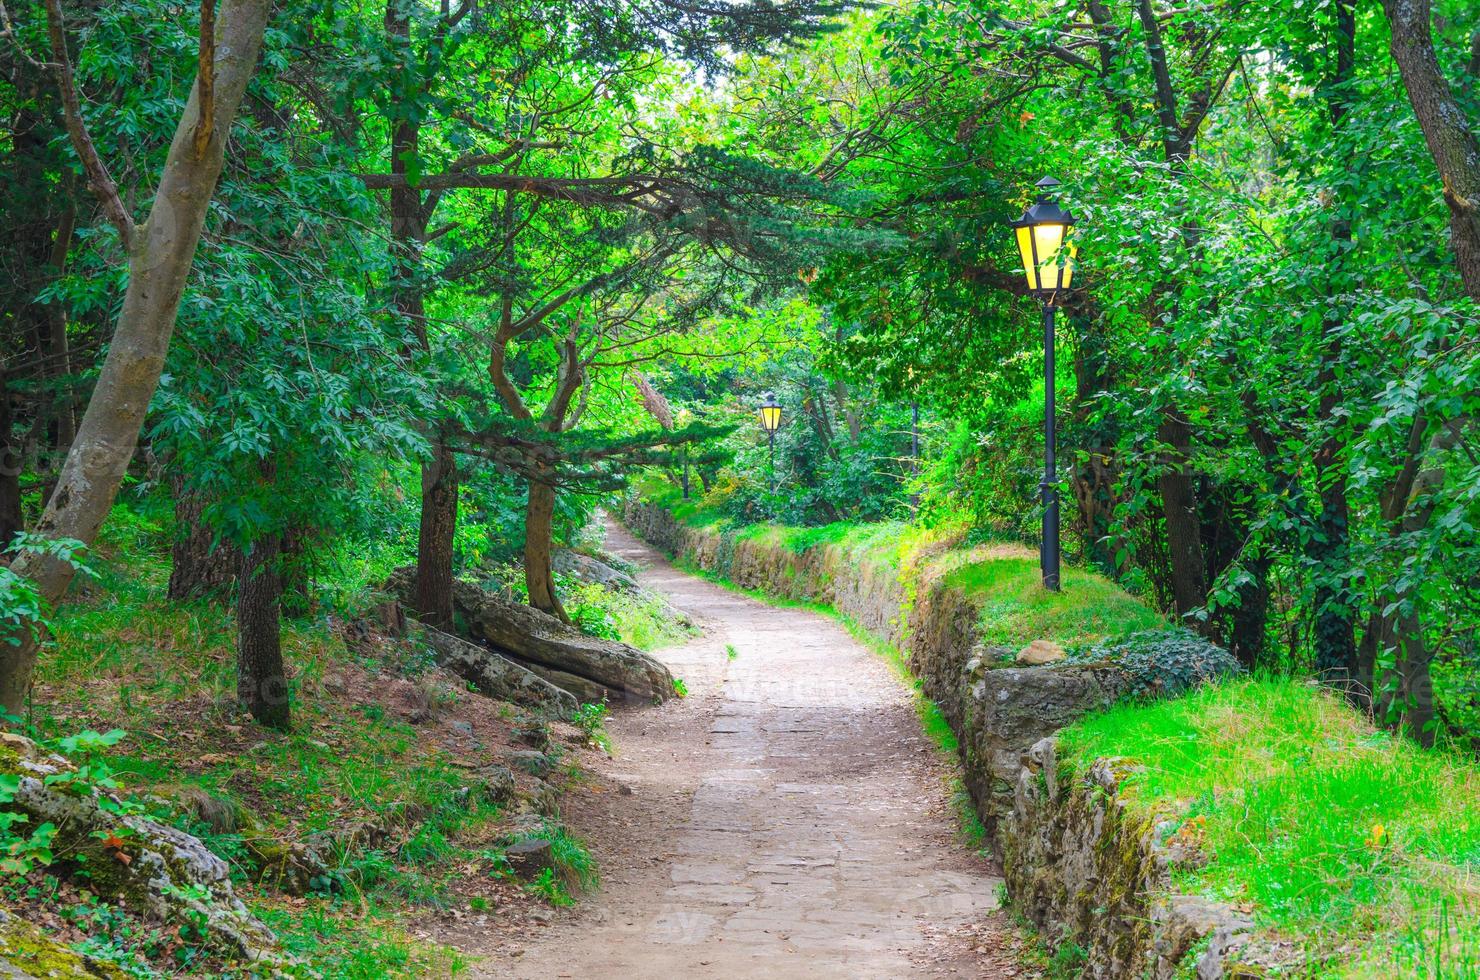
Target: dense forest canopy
column 418, row 283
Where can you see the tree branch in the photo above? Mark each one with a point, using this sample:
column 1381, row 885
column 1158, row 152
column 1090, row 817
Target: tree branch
column 98, row 177
column 205, row 78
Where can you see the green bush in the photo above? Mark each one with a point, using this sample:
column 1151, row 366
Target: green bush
column 1164, row 662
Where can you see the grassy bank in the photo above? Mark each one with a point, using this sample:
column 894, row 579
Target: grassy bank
column 384, row 755
column 1360, row 848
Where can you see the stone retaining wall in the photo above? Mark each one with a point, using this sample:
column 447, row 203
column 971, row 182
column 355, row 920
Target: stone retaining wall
column 1074, row 861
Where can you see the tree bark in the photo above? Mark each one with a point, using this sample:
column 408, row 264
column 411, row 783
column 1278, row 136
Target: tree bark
column 434, row 541
column 12, row 522
column 539, row 545
column 1184, row 529
column 1446, row 130
column 160, row 254
column 260, row 681
column 410, row 215
column 57, row 349
column 1335, row 631
column 200, row 564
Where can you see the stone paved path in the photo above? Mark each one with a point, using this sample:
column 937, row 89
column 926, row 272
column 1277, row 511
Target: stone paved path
column 787, row 819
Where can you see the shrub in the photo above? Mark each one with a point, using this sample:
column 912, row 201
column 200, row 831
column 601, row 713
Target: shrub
column 1164, row 662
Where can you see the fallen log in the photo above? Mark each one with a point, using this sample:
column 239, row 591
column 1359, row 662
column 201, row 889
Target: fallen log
column 497, row 676
column 538, row 638
column 583, row 689
column 539, row 641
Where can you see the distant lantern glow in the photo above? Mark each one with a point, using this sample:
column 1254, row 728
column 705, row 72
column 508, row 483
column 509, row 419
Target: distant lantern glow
column 1042, row 236
column 770, row 415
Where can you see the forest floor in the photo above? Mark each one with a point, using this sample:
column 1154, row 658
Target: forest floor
column 789, row 818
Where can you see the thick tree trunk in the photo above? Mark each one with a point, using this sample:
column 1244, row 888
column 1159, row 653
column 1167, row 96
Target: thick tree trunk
column 160, row 255
column 1446, row 129
column 434, row 542
column 539, row 546
column 200, row 564
column 260, row 681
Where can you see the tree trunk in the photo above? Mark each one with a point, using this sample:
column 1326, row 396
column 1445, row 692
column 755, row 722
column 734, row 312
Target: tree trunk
column 1335, row 632
column 160, row 255
column 260, row 681
column 294, row 570
column 1184, row 530
column 1446, row 130
column 539, row 545
column 200, row 564
column 434, row 542
column 57, row 348
column 12, row 522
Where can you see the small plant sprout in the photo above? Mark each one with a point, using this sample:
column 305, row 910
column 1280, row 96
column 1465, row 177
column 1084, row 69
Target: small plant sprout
column 680, row 688
column 730, row 652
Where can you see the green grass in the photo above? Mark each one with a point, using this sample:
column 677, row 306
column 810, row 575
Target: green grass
column 1362, row 847
column 1003, row 579
column 124, row 656
column 1016, row 608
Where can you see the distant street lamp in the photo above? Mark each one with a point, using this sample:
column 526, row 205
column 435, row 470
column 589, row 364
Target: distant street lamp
column 1048, row 263
column 771, row 421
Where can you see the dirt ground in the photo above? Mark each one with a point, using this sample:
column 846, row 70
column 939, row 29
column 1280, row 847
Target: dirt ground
column 787, row 819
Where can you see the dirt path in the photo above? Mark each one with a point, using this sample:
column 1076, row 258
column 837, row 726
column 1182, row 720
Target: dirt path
column 787, row 819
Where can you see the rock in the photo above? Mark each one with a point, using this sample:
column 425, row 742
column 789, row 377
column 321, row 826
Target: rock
column 496, row 784
column 496, row 676
column 533, row 732
column 535, row 763
column 1083, row 866
column 536, row 638
column 541, row 798
column 461, row 727
column 528, row 858
column 592, row 571
column 155, row 867
column 1040, row 652
column 27, row 953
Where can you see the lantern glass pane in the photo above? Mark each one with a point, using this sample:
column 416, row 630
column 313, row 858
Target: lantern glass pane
column 1070, row 256
column 1025, row 247
column 1048, row 238
column 770, row 417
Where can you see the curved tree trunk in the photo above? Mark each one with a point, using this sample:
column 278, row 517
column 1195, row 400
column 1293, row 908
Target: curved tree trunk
column 1450, row 137
column 260, row 681
column 434, row 541
column 539, row 546
column 160, row 253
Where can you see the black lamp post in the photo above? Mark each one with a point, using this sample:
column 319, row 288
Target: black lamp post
column 684, row 418
column 771, row 421
column 1048, row 263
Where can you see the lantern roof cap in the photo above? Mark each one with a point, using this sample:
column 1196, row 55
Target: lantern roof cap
column 1045, row 210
